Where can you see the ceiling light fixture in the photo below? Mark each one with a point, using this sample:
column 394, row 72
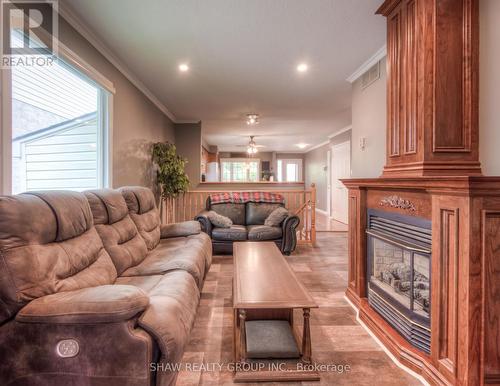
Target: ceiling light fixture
column 183, row 67
column 302, row 67
column 252, row 119
column 302, row 145
column 252, row 146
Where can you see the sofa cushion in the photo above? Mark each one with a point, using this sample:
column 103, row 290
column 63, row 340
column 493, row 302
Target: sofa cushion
column 235, row 233
column 236, row 212
column 219, row 220
column 101, row 304
column 48, row 244
column 257, row 212
column 145, row 283
column 178, row 253
column 264, row 232
column 276, row 217
column 107, row 205
column 73, row 215
column 116, row 229
column 171, row 313
column 142, row 210
column 179, row 229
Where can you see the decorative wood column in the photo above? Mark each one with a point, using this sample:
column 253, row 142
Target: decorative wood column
column 432, row 87
column 242, row 314
column 356, row 283
column 306, row 337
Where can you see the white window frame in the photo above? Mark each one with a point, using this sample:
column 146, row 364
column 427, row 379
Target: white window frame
column 246, row 160
column 284, row 162
column 106, row 101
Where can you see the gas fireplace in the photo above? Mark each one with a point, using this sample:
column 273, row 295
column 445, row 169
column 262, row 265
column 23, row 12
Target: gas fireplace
column 399, row 282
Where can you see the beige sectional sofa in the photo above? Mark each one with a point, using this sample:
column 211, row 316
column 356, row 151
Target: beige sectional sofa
column 93, row 290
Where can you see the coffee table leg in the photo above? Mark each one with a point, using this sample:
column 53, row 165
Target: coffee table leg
column 306, row 338
column 243, row 340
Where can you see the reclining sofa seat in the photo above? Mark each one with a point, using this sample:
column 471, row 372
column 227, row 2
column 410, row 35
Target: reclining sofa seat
column 248, row 224
column 179, row 241
column 57, row 298
column 128, row 247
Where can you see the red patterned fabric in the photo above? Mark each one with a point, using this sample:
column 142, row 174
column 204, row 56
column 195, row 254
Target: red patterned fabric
column 244, row 197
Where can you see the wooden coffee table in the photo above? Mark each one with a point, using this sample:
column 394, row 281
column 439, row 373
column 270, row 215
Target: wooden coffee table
column 266, row 288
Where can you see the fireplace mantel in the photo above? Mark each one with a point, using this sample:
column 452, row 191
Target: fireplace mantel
column 433, row 172
column 465, row 272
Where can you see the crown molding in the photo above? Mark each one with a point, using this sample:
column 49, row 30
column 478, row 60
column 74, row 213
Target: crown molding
column 70, row 16
column 376, row 57
column 317, row 146
column 345, row 129
column 186, row 121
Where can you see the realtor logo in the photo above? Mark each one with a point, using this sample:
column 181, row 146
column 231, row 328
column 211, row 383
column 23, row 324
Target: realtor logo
column 29, row 31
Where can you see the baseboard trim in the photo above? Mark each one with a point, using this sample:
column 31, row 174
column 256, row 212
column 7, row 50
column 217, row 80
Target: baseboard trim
column 323, row 212
column 385, row 349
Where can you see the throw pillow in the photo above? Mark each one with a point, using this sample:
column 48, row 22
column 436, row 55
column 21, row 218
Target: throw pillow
column 276, row 217
column 218, row 220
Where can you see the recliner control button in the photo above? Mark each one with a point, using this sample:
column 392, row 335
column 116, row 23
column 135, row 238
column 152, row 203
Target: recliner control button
column 67, row 348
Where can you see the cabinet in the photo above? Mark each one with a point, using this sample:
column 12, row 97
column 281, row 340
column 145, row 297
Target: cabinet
column 432, row 89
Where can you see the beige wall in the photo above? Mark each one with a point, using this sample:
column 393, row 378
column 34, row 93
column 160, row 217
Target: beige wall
column 188, row 144
column 369, row 121
column 316, row 160
column 137, row 122
column 489, row 86
column 315, row 163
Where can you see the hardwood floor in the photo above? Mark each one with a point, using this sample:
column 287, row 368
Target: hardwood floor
column 337, row 338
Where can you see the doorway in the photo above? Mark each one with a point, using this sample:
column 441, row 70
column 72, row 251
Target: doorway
column 340, row 162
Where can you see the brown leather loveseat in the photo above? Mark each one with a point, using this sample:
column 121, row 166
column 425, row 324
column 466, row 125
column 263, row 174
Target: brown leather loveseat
column 248, row 212
column 93, row 290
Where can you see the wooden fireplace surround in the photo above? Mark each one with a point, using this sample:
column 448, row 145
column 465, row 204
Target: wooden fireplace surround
column 433, row 171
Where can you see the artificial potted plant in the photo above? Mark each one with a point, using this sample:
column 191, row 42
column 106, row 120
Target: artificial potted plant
column 171, row 176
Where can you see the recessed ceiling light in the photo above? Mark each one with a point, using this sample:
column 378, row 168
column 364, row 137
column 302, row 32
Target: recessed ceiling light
column 183, row 67
column 252, row 119
column 302, row 67
column 302, row 145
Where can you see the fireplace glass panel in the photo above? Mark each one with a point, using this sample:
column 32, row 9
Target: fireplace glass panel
column 392, row 273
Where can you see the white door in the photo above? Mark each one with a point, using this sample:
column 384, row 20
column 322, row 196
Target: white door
column 341, row 168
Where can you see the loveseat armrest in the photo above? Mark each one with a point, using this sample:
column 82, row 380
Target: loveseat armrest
column 289, row 227
column 102, row 304
column 206, row 225
column 180, row 229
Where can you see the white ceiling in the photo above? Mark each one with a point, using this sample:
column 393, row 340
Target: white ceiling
column 243, row 56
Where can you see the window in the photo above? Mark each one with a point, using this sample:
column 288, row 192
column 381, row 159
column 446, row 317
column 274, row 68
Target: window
column 58, row 128
column 289, row 170
column 240, row 170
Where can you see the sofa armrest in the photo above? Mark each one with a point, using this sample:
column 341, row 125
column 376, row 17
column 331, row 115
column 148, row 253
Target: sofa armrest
column 289, row 227
column 102, row 304
column 180, row 229
column 206, row 224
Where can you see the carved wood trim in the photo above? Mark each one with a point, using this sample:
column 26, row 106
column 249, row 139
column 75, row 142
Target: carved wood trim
column 394, row 83
column 446, row 284
column 410, row 82
column 490, row 262
column 454, row 57
column 353, row 240
column 398, row 202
